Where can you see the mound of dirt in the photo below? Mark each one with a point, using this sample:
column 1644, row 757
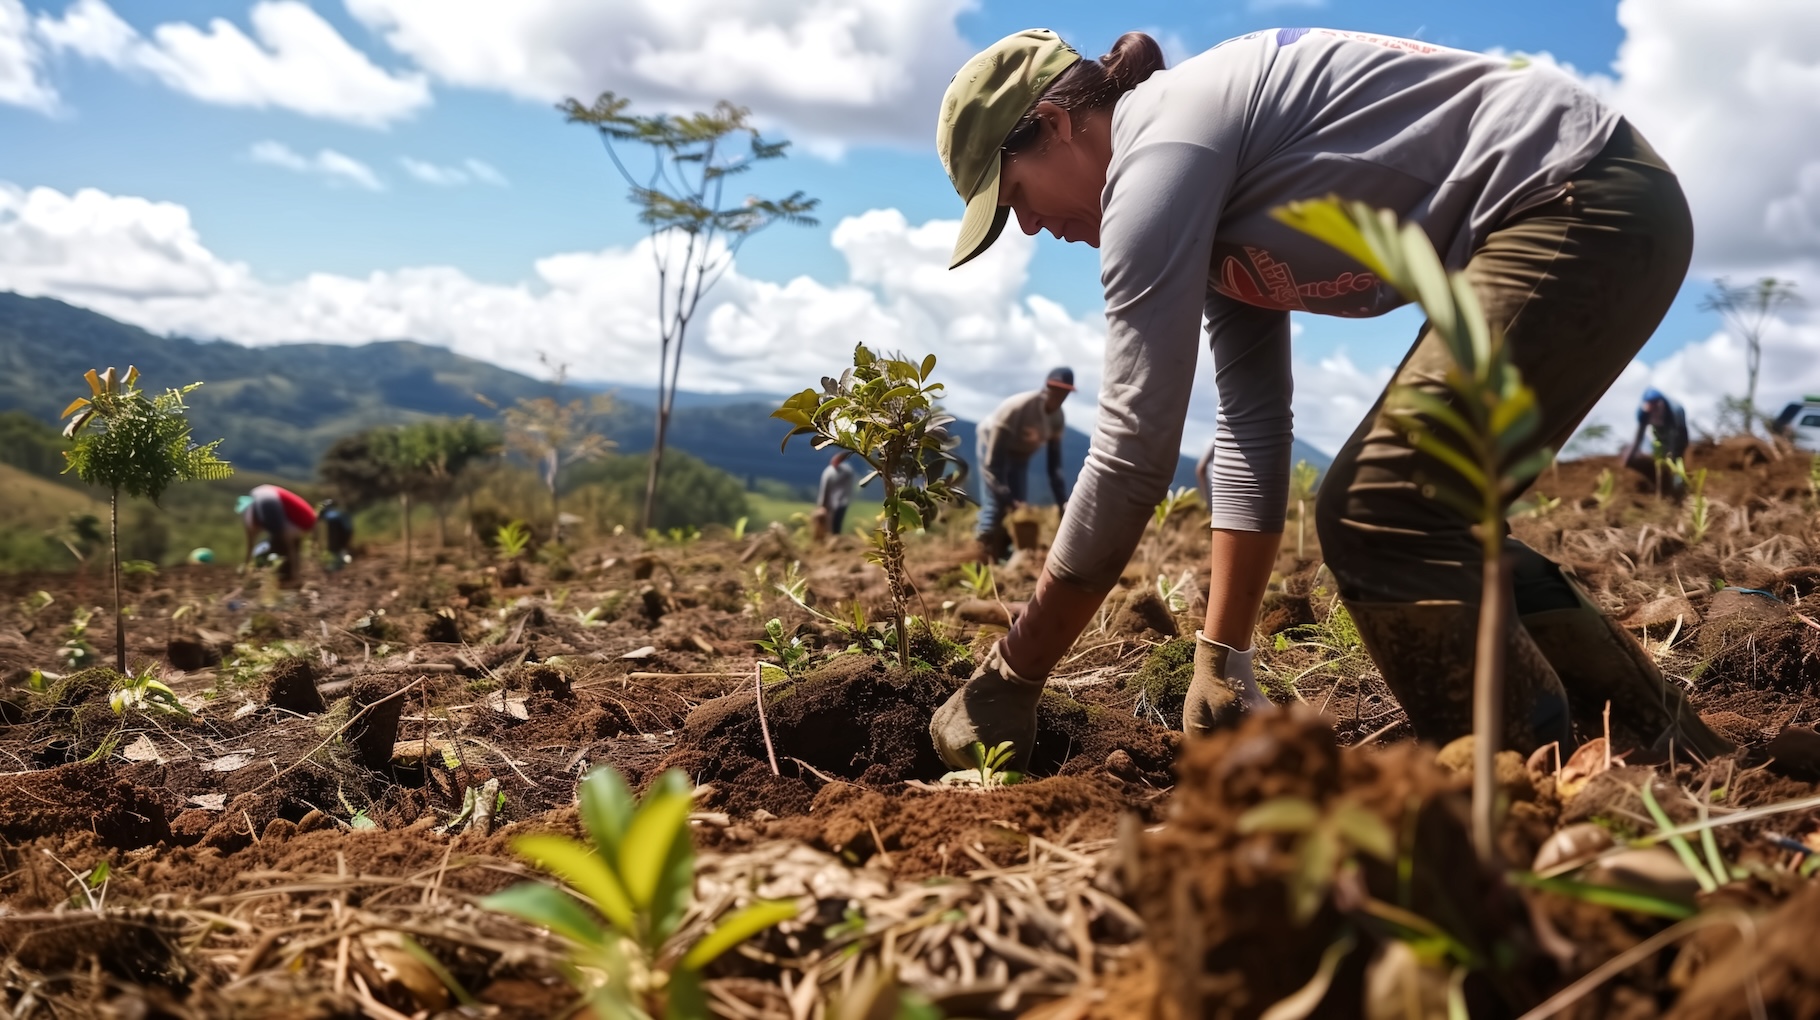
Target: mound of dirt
column 1222, row 894
column 292, row 686
column 927, row 833
column 1144, row 616
column 81, row 797
column 853, row 719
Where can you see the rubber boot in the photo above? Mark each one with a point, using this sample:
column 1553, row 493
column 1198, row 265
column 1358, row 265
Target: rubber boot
column 1223, row 688
column 995, row 705
column 1600, row 663
column 1426, row 652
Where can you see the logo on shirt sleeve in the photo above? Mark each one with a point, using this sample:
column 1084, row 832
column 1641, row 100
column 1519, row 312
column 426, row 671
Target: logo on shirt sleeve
column 1268, row 282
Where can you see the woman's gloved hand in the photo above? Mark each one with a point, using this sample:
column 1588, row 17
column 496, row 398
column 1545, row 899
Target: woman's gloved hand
column 1223, row 688
column 995, row 705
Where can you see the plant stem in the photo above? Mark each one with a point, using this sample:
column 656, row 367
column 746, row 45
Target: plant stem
column 1488, row 693
column 764, row 725
column 113, row 513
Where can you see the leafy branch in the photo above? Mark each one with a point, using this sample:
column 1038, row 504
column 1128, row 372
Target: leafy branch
column 1479, row 423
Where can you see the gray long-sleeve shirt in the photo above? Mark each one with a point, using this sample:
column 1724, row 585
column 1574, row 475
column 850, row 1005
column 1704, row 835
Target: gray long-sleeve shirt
column 1201, row 153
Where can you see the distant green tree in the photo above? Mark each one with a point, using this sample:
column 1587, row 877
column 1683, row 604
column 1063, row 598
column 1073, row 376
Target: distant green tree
column 353, row 468
column 443, row 454
column 31, row 445
column 696, row 229
column 694, row 493
column 127, row 442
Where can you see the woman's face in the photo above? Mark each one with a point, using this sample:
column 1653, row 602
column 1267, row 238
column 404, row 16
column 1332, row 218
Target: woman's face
column 1054, row 183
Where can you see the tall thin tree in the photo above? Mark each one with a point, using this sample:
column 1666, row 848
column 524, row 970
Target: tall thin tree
column 1748, row 310
column 128, row 442
column 696, row 228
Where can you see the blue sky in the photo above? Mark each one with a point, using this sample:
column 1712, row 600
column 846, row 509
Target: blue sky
column 297, row 193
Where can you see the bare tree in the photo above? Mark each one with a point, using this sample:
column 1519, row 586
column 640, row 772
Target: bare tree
column 695, row 229
column 1748, row 310
column 553, row 435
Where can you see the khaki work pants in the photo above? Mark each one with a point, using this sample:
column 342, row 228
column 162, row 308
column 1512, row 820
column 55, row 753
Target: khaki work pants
column 1577, row 285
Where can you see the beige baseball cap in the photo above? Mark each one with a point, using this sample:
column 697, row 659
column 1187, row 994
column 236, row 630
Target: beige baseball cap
column 983, row 103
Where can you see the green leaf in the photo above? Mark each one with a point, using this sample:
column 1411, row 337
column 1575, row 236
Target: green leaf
column 547, row 908
column 1325, row 220
column 662, row 819
column 1408, row 402
column 736, row 928
column 684, row 997
column 1364, row 829
column 1676, row 840
column 928, row 367
column 1280, row 814
column 606, row 809
column 1615, row 897
column 581, row 868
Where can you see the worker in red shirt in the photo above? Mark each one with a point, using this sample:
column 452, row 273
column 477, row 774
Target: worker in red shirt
column 284, row 517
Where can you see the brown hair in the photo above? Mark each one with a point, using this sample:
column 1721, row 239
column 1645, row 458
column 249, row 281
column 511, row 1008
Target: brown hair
column 1093, row 84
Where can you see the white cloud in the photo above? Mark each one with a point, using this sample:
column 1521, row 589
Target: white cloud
column 294, row 61
column 1730, row 95
column 833, row 72
column 20, row 60
column 143, row 262
column 332, row 166
column 468, row 171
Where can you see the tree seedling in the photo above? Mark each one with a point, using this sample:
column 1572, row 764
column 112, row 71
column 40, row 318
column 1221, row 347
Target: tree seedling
column 1479, row 425
column 696, row 230
column 788, row 649
column 1608, row 484
column 884, row 411
column 128, row 442
column 1325, row 841
column 1699, row 511
column 977, row 580
column 628, row 889
column 145, row 693
column 511, row 540
column 988, row 772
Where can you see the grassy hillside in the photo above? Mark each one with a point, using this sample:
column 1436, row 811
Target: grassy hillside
column 280, row 407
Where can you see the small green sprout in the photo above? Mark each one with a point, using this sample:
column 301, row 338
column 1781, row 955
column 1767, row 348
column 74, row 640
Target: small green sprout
column 512, row 539
column 791, row 653
column 1608, row 484
column 989, row 772
column 1326, row 842
column 632, row 882
column 145, row 693
column 977, row 580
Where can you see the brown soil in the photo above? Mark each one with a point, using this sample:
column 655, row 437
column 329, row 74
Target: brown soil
column 470, row 674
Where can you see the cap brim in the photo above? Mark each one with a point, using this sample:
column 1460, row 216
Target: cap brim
column 981, row 223
column 1062, row 385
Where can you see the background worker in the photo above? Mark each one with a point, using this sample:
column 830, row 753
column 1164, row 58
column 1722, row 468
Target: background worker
column 1570, row 229
column 338, row 533
column 1667, row 421
column 835, row 495
column 284, row 518
column 1022, row 425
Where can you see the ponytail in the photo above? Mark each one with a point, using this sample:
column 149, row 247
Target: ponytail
column 1094, row 84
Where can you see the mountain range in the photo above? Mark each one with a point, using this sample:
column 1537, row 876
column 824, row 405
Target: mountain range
column 279, row 407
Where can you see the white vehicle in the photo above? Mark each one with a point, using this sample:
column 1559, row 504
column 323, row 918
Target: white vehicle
column 1800, row 421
